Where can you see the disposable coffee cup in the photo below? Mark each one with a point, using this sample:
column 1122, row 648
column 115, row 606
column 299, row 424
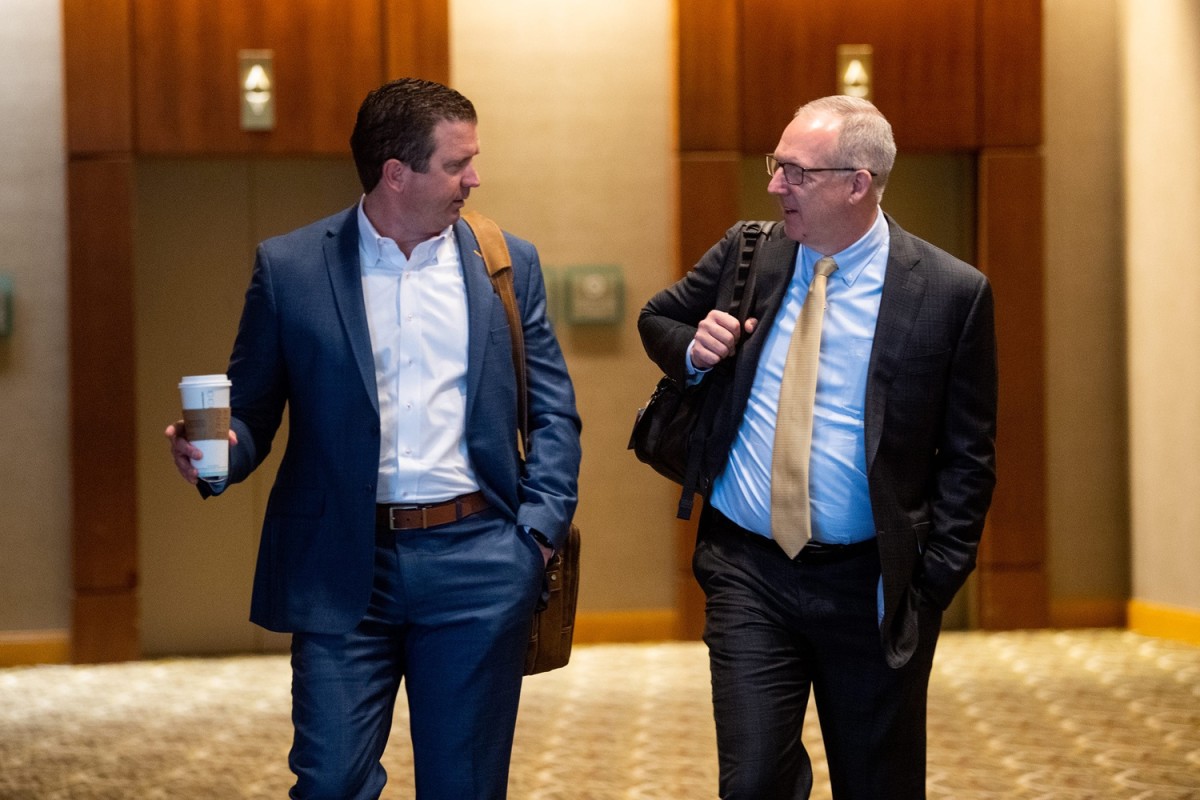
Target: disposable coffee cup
column 206, row 415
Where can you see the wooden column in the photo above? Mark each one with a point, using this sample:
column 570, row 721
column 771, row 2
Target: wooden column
column 99, row 122
column 1012, row 584
column 709, row 157
column 1011, row 577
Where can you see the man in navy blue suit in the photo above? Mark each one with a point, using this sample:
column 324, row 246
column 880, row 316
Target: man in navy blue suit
column 405, row 538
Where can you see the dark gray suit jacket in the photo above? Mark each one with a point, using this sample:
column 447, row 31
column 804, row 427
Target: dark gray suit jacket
column 303, row 343
column 930, row 411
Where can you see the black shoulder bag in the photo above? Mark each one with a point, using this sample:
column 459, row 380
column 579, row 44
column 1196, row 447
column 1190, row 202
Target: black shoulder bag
column 664, row 429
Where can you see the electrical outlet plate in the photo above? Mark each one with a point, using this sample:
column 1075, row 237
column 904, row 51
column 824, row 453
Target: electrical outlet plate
column 6, row 306
column 595, row 294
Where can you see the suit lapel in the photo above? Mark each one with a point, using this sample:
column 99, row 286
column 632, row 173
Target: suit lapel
column 345, row 276
column 773, row 271
column 903, row 294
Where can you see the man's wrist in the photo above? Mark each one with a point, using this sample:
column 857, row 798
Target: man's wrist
column 540, row 538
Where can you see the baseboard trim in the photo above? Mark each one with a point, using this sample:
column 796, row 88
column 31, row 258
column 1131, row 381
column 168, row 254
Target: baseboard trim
column 1088, row 612
column 639, row 625
column 24, row 648
column 1164, row 621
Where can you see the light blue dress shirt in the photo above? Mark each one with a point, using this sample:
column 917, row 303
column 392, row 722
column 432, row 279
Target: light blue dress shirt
column 841, row 503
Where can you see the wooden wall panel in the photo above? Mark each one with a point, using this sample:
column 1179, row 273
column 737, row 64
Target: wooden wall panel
column 925, row 63
column 417, row 39
column 1012, row 598
column 112, row 630
column 1010, row 252
column 1011, row 73
column 328, row 55
column 98, row 75
column 709, row 46
column 1013, row 552
column 103, row 403
column 708, row 202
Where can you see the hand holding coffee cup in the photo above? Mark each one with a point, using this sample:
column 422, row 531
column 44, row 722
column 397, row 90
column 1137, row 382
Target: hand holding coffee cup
column 206, row 420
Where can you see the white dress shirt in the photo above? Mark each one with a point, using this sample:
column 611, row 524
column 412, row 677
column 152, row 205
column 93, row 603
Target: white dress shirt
column 417, row 316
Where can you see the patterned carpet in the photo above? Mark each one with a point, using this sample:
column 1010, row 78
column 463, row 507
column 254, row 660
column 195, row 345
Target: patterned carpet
column 1095, row 714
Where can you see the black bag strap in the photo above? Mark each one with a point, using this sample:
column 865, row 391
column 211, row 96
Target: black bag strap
column 743, row 286
column 740, row 304
column 494, row 251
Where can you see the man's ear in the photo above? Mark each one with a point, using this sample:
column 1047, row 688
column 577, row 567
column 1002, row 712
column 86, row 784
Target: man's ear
column 861, row 186
column 394, row 174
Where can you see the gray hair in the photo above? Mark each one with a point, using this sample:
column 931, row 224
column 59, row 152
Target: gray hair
column 866, row 138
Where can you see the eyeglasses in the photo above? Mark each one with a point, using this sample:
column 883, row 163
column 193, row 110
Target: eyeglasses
column 796, row 174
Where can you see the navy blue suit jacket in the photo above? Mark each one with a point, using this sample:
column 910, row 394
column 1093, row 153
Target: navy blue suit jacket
column 930, row 413
column 303, row 344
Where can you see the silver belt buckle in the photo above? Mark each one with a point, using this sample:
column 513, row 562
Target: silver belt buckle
column 394, row 511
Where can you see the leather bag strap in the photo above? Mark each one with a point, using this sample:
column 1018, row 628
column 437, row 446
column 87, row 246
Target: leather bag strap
column 494, row 251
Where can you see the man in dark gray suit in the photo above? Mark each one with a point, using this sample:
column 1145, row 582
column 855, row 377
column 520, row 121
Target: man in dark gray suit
column 405, row 538
column 899, row 479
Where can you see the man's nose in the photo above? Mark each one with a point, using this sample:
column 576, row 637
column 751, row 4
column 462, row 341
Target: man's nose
column 777, row 185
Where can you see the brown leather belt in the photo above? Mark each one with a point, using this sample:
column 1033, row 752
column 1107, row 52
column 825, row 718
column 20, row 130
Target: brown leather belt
column 428, row 515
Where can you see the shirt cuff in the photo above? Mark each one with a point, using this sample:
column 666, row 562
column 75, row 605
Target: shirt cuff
column 695, row 374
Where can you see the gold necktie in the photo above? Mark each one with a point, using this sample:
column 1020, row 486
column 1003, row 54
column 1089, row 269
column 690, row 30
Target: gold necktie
column 791, row 526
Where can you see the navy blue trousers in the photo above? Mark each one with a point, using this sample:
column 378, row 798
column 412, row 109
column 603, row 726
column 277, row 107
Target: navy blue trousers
column 450, row 617
column 778, row 629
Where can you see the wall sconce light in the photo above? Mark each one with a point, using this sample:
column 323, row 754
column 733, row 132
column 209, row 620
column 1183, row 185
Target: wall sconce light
column 256, row 83
column 855, row 71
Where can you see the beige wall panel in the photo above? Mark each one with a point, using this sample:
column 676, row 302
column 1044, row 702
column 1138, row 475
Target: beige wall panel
column 1161, row 67
column 35, row 482
column 576, row 127
column 1086, row 445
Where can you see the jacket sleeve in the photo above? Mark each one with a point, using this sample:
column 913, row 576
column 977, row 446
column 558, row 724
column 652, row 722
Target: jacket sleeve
column 668, row 322
column 259, row 386
column 965, row 464
column 549, row 483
